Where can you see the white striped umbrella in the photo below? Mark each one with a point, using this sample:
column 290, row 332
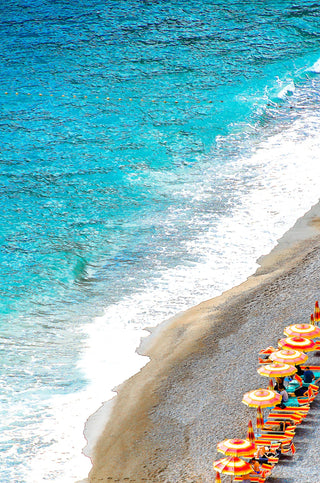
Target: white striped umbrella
column 298, row 343
column 289, row 356
column 308, row 331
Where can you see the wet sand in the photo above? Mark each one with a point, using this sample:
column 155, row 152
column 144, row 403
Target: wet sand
column 166, row 420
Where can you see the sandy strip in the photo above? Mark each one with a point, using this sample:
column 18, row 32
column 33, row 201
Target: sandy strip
column 167, row 420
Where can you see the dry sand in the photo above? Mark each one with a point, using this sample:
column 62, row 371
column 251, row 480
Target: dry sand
column 167, row 420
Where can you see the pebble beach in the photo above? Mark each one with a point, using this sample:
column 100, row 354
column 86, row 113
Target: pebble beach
column 167, row 420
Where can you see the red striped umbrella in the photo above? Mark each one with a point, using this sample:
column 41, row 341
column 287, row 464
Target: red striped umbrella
column 232, row 466
column 217, row 478
column 316, row 312
column 289, row 356
column 307, row 331
column 237, row 447
column 298, row 343
column 261, row 397
column 250, row 433
column 259, row 418
column 276, row 369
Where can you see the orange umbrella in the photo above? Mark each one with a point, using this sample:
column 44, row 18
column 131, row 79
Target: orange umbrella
column 217, row 478
column 316, row 312
column 232, row 465
column 308, row 331
column 289, row 356
column 263, row 398
column 237, row 447
column 276, row 369
column 298, row 343
column 250, row 433
column 259, row 418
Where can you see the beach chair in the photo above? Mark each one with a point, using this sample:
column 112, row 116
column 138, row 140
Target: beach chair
column 289, row 418
column 288, row 448
column 298, row 379
column 267, row 469
column 268, row 350
column 273, row 460
column 306, row 399
column 301, row 409
column 274, row 447
column 267, row 439
column 254, row 478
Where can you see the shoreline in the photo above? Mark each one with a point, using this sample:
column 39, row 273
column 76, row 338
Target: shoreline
column 159, row 427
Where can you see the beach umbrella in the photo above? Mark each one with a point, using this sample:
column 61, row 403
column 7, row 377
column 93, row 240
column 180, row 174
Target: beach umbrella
column 308, row 331
column 217, row 478
column 262, row 398
column 250, row 433
column 312, row 321
column 232, row 465
column 298, row 343
column 289, row 356
column 259, row 418
column 237, row 447
column 316, row 312
column 276, row 369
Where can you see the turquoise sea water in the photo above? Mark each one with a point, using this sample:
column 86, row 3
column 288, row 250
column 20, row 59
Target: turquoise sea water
column 150, row 153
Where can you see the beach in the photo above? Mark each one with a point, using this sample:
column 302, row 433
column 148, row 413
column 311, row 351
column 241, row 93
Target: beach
column 166, row 420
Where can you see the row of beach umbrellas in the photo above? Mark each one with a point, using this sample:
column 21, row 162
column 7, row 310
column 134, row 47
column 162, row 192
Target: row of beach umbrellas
column 283, row 363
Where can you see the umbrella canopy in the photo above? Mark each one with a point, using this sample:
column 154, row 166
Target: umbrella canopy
column 289, row 356
column 237, row 447
column 261, row 397
column 298, row 343
column 277, row 369
column 232, row 466
column 308, row 331
column 250, row 433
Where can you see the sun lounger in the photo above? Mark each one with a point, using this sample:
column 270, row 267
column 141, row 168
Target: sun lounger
column 286, row 417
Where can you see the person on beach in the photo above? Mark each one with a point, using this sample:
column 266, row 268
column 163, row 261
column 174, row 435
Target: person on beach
column 308, row 376
column 254, row 462
column 285, row 396
column 279, row 382
column 264, row 453
column 300, row 372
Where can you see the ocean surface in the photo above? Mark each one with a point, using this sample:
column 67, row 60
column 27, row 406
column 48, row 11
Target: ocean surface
column 151, row 152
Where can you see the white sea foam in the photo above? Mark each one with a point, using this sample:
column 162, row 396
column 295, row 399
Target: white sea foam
column 284, row 173
column 286, row 90
column 315, row 67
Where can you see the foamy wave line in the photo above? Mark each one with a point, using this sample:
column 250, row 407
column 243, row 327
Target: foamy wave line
column 315, row 67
